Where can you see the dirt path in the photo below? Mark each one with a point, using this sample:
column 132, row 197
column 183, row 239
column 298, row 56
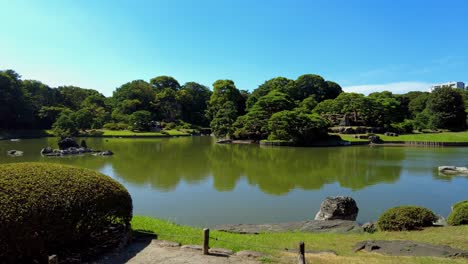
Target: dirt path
column 154, row 251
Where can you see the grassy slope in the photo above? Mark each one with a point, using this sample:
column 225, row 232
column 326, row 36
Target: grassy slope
column 342, row 244
column 431, row 137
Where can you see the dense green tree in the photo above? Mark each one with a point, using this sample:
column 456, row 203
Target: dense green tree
column 48, row 114
column 83, row 119
column 386, row 109
column 140, row 120
column 300, row 128
column 194, row 99
column 162, row 82
column 15, row 108
column 72, row 96
column 355, row 106
column 254, row 125
column 308, row 104
column 167, row 105
column 312, row 84
column 222, row 123
column 65, row 124
column 281, row 84
column 225, row 91
column 418, row 103
column 447, row 109
column 135, row 95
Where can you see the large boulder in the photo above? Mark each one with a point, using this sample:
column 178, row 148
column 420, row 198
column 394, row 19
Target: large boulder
column 339, row 207
column 67, row 143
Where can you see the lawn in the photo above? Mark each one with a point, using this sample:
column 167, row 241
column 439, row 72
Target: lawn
column 275, row 243
column 429, row 137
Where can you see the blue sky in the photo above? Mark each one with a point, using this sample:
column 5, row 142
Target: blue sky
column 363, row 45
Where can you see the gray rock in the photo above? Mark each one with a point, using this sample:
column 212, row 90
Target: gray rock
column 409, row 248
column 104, row 153
column 46, row 150
column 374, row 139
column 339, row 207
column 15, row 153
column 453, row 170
column 68, row 142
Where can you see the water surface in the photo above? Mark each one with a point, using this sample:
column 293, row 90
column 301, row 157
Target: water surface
column 192, row 180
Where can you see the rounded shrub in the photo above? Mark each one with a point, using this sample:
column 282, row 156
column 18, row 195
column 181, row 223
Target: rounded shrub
column 54, row 209
column 406, row 218
column 459, row 214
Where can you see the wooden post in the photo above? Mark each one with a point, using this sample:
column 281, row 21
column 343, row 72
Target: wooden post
column 53, row 259
column 302, row 253
column 206, row 241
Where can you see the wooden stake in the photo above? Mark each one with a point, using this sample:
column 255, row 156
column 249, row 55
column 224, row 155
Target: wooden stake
column 302, row 253
column 206, row 241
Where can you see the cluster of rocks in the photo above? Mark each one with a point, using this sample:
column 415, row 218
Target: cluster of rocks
column 391, row 134
column 68, row 146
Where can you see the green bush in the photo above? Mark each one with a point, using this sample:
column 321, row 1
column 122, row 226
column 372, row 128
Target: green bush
column 406, row 218
column 115, row 126
column 459, row 214
column 53, row 209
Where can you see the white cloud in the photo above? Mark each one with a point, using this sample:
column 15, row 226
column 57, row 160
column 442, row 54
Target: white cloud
column 396, row 88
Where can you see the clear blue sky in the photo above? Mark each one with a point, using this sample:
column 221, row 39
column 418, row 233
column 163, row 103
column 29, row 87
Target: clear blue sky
column 392, row 44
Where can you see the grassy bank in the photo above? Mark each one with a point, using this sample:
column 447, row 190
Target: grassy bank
column 342, row 244
column 127, row 133
column 426, row 137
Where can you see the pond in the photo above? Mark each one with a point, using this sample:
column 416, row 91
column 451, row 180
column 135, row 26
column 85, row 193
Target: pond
column 194, row 181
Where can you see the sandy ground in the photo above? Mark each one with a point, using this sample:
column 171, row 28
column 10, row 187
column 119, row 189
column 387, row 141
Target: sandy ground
column 152, row 252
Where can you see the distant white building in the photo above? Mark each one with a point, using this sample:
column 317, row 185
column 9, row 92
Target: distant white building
column 457, row 85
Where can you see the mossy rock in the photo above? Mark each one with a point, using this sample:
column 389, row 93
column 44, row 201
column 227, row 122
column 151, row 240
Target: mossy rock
column 51, row 209
column 406, row 218
column 459, row 214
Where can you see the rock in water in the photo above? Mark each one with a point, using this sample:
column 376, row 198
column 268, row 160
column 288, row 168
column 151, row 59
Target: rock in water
column 15, row 153
column 68, row 143
column 46, row 150
column 339, row 207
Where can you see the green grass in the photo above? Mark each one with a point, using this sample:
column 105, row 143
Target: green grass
column 429, row 137
column 127, row 133
column 342, row 244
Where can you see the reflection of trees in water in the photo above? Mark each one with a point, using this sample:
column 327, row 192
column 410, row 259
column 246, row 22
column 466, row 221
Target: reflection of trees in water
column 280, row 170
column 164, row 163
column 161, row 163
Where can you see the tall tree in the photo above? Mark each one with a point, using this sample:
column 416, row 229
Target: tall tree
column 162, row 82
column 447, row 109
column 194, row 99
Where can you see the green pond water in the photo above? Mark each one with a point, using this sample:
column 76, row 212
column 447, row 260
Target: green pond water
column 194, row 181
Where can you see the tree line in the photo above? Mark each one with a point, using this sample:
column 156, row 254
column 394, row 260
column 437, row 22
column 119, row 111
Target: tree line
column 298, row 110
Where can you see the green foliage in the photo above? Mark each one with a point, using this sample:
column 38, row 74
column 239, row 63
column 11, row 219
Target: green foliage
column 459, row 214
column 49, row 208
column 72, row 96
column 298, row 127
column 194, row 101
column 221, row 125
column 115, row 126
column 65, row 125
column 163, row 82
column 406, row 218
column 447, row 109
column 140, row 120
column 404, row 127
column 83, row 119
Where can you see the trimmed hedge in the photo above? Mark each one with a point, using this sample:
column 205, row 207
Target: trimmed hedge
column 459, row 214
column 53, row 209
column 406, row 218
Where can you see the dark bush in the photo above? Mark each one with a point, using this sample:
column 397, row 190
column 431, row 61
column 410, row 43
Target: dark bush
column 459, row 214
column 53, row 209
column 405, row 218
